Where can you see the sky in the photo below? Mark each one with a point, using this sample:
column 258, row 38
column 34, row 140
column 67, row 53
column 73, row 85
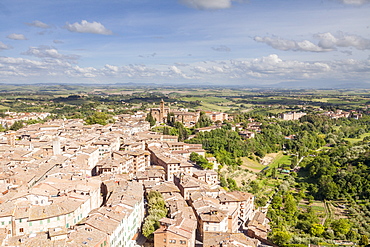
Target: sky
column 191, row 42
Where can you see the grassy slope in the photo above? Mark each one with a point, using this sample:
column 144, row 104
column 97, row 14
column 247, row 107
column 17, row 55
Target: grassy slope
column 353, row 140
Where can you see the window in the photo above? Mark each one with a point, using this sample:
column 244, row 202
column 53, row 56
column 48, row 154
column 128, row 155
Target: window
column 173, row 241
column 41, row 222
column 58, row 218
column 182, row 242
column 48, row 220
column 164, row 240
column 105, row 243
column 20, row 220
column 30, row 224
column 20, row 229
column 2, row 223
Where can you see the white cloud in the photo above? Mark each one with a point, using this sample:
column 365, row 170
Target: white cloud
column 340, row 39
column 88, row 72
column 201, row 70
column 218, row 69
column 207, row 4
column 268, row 69
column 16, row 36
column 48, row 52
column 175, row 70
column 112, row 68
column 88, row 27
column 21, row 67
column 4, row 46
column 38, row 24
column 327, row 42
column 273, row 65
column 130, row 71
column 286, row 45
column 355, row 2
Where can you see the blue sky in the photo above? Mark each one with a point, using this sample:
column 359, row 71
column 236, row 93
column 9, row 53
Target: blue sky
column 255, row 42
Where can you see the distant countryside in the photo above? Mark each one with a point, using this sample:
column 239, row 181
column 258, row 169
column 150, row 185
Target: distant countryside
column 303, row 155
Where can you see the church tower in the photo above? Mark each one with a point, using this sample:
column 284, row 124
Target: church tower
column 161, row 111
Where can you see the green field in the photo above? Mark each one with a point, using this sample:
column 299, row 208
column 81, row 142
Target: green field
column 252, row 165
column 208, row 99
column 276, row 159
column 210, row 103
column 354, row 140
column 212, row 107
column 281, row 159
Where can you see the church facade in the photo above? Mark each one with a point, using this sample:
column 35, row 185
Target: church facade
column 187, row 118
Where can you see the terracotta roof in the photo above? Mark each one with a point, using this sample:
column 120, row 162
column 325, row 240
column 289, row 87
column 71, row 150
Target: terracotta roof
column 102, row 223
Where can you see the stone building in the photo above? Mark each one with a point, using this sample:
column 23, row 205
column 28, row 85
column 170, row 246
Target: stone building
column 187, row 118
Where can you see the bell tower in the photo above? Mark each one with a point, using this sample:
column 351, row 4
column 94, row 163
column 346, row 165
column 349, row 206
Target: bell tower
column 161, row 111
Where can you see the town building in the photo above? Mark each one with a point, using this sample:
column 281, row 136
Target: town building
column 292, row 115
column 187, row 118
column 217, row 116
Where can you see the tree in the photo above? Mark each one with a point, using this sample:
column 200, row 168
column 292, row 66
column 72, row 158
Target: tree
column 226, row 126
column 150, row 119
column 273, row 172
column 183, row 133
column 310, row 199
column 341, row 226
column 17, row 125
column 277, row 202
column 261, row 201
column 328, row 189
column 2, row 129
column 156, row 211
column 232, row 184
column 171, row 119
column 98, row 118
column 352, row 235
column 290, row 204
column 317, row 230
column 281, row 237
column 166, row 130
column 254, row 187
column 148, row 227
column 203, row 121
column 364, row 241
column 223, row 182
column 201, row 161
